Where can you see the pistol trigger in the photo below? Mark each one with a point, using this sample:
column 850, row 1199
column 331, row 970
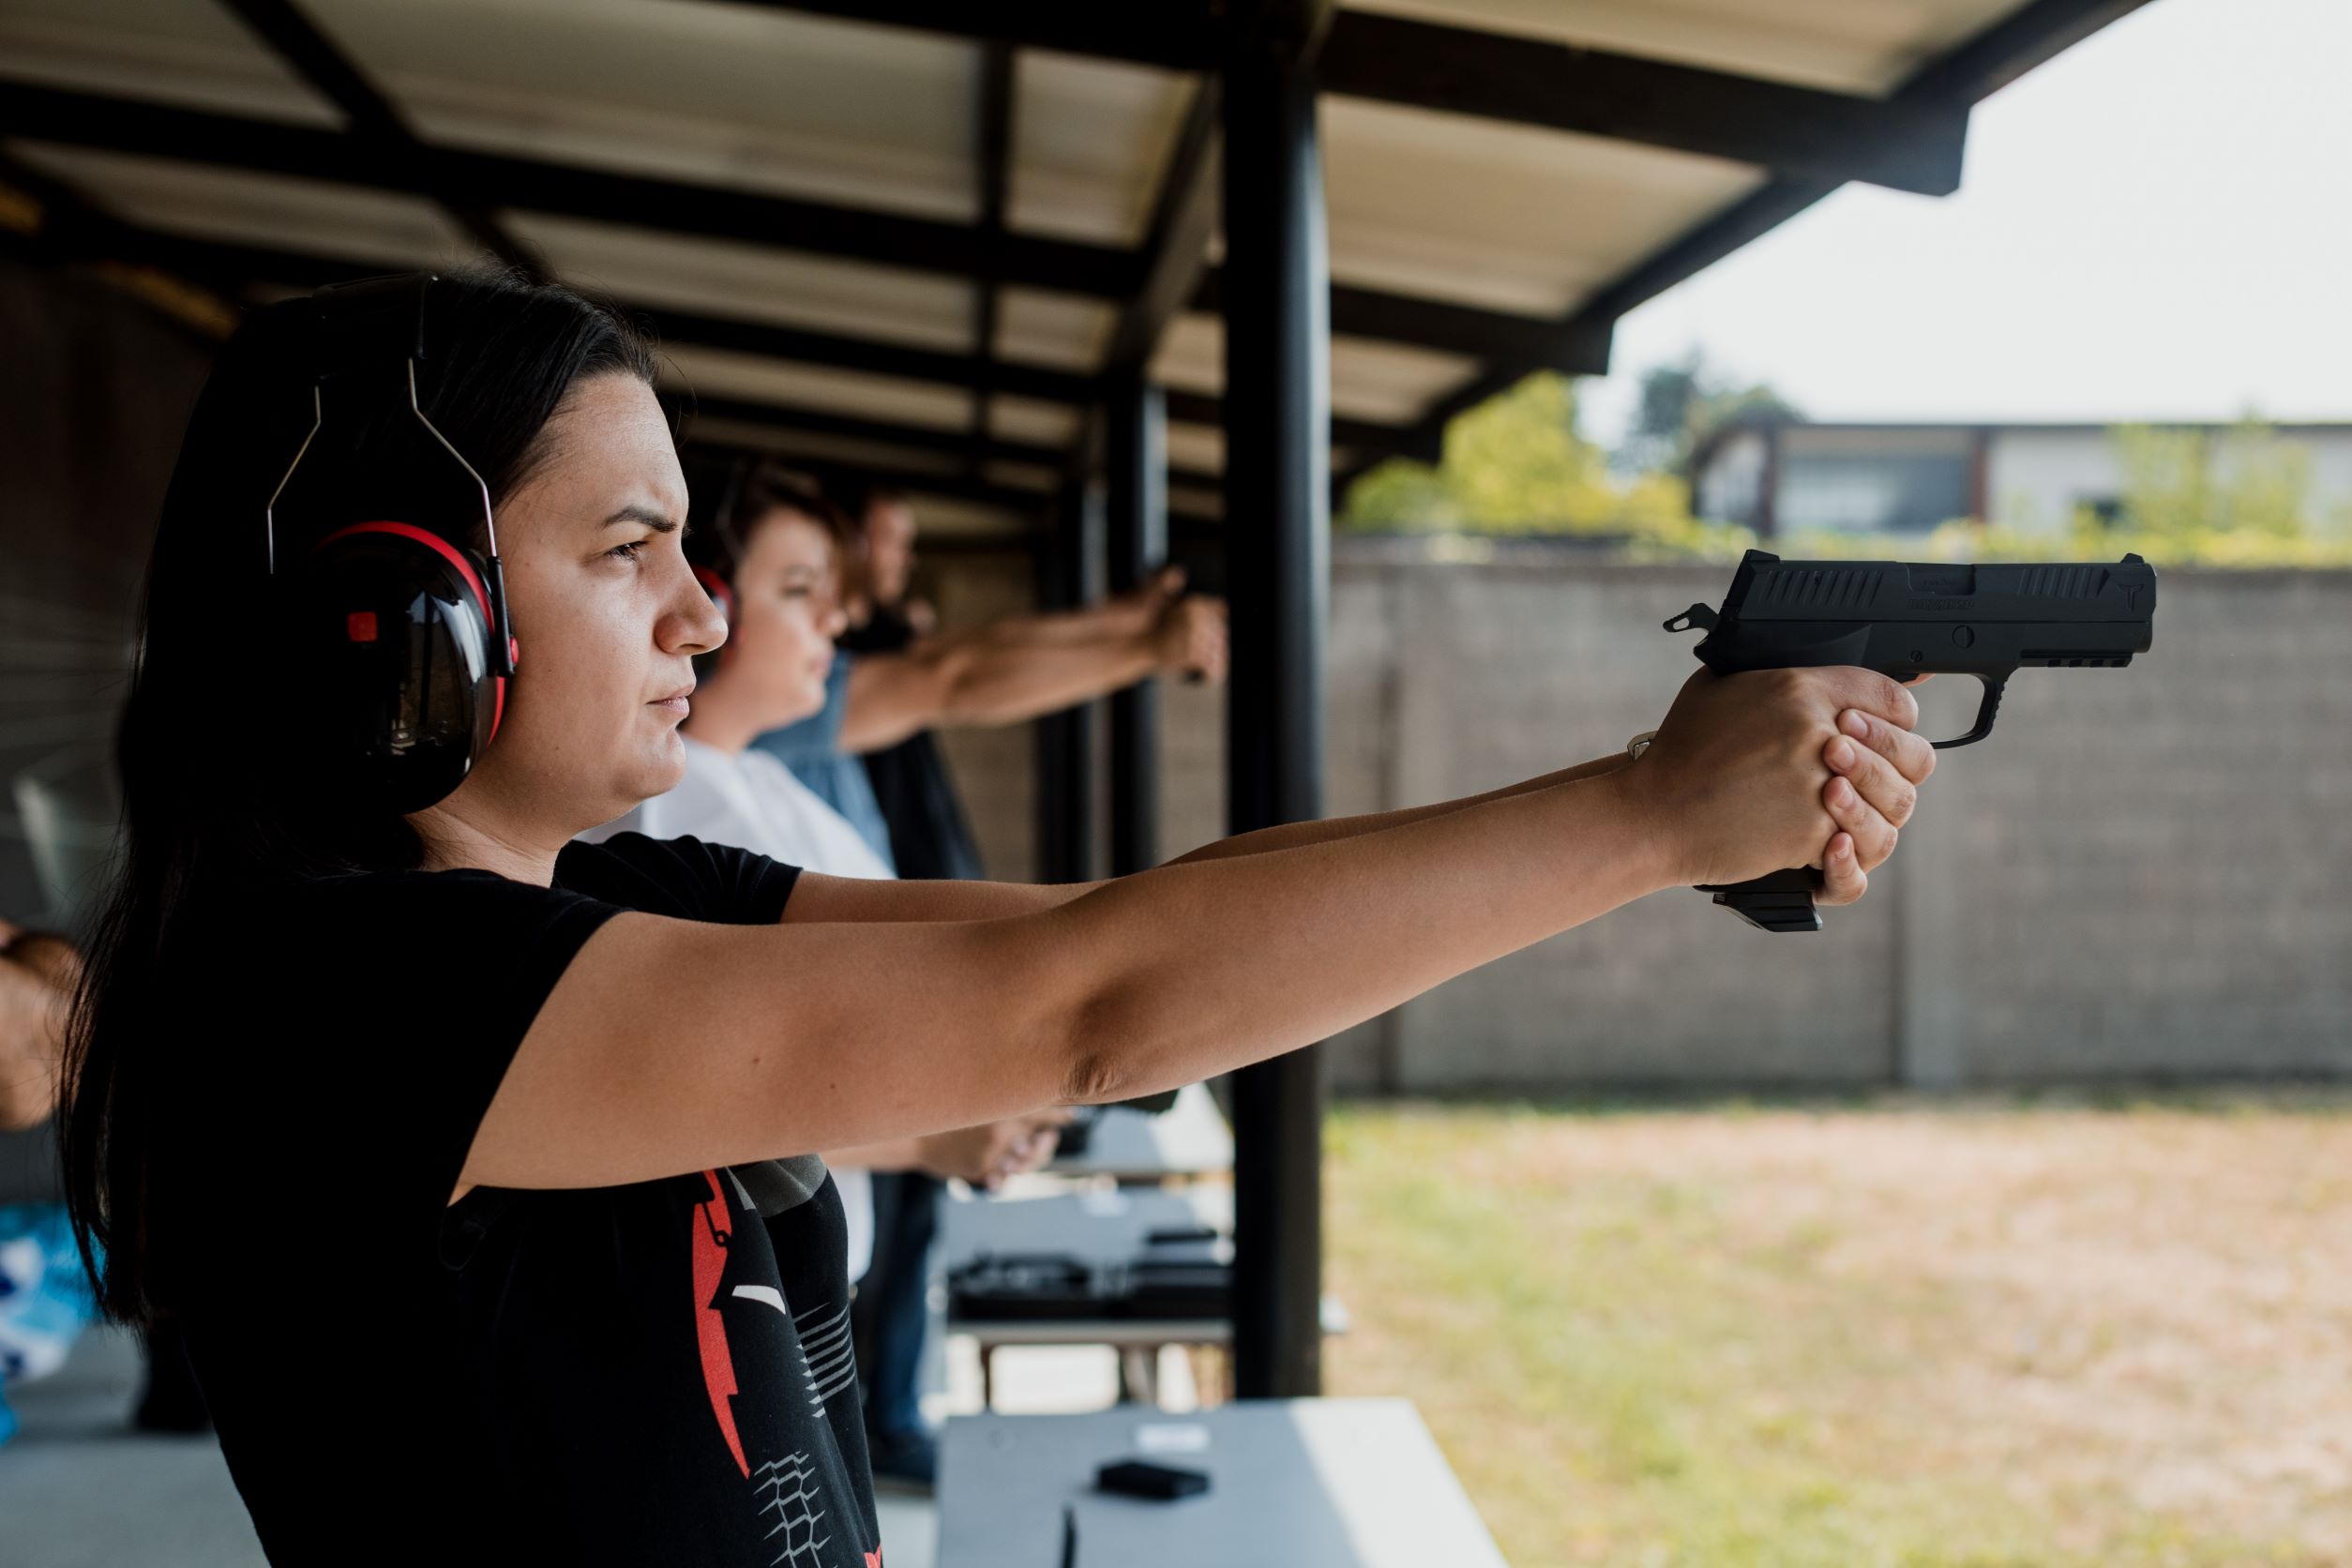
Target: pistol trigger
column 1984, row 714
column 1697, row 615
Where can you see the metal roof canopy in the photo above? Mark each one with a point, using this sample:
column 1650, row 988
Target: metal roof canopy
column 1005, row 255
column 970, row 218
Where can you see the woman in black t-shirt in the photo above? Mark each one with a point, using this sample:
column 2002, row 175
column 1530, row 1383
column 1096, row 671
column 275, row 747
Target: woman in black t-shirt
column 474, row 1161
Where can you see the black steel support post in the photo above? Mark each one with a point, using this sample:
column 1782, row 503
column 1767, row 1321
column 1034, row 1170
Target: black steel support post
column 1137, row 457
column 1069, row 574
column 1277, row 421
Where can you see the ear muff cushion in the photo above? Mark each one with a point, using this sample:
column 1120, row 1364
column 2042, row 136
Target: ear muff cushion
column 393, row 636
column 463, row 563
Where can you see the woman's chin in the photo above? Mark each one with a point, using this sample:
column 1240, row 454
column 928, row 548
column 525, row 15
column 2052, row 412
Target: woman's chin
column 811, row 704
column 663, row 769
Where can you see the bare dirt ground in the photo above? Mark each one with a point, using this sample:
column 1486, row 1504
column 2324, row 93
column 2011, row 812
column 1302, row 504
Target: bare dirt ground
column 1897, row 1332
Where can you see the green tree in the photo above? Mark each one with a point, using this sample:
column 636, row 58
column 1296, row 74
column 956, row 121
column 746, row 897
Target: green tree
column 1517, row 465
column 2178, row 483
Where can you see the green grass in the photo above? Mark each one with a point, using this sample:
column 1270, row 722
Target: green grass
column 1763, row 1338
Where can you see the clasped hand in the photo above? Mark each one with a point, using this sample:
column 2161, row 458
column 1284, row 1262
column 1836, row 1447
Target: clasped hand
column 1754, row 773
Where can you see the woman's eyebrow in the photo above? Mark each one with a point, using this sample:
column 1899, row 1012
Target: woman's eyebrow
column 645, row 515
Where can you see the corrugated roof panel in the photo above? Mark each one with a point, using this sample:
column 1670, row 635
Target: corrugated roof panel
column 1200, row 447
column 1443, row 206
column 819, row 449
column 265, row 209
column 1027, row 420
column 1052, row 329
column 1387, row 382
column 190, row 52
column 1020, row 475
column 1510, row 217
column 1090, row 140
column 945, row 517
column 942, row 516
column 1864, row 46
column 722, row 278
column 1390, row 382
column 1194, row 502
column 735, row 95
column 718, row 374
column 1191, row 353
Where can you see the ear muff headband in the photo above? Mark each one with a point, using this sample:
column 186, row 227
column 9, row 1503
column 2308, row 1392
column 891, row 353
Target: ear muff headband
column 369, row 324
column 401, row 718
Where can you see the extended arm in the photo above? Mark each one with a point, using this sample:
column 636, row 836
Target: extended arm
column 1157, row 980
column 982, row 680
column 1881, row 771
column 821, row 898
column 806, row 1037
column 1123, row 615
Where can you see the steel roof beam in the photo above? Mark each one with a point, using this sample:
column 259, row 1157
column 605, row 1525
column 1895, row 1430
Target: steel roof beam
column 315, row 57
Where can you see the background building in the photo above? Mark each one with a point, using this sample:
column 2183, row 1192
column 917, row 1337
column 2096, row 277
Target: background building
column 1902, row 479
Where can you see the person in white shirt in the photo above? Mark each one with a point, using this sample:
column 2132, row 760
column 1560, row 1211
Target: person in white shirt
column 780, row 589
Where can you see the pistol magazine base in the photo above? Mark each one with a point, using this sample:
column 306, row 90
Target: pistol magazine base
column 1779, row 902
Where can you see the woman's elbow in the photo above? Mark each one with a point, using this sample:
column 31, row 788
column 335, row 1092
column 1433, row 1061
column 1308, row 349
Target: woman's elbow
column 1097, row 1050
column 1068, row 996
column 1099, row 1075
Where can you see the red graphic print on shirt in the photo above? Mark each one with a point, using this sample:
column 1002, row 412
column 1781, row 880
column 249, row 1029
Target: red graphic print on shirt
column 712, row 1231
column 800, row 1521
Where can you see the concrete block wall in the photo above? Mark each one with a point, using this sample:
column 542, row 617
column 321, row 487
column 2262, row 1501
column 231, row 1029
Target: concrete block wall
column 2144, row 873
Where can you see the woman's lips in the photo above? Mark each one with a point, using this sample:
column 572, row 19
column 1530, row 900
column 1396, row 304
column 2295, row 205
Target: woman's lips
column 671, row 704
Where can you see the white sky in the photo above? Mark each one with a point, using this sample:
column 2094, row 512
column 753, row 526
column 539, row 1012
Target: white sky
column 2156, row 224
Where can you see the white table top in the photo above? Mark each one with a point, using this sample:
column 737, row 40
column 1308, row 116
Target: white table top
column 1293, row 1484
column 1189, row 1138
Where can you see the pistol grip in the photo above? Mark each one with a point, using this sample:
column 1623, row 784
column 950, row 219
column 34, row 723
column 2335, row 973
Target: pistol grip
column 1782, row 901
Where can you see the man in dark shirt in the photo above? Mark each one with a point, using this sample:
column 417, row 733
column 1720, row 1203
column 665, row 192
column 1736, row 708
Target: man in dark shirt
column 930, row 837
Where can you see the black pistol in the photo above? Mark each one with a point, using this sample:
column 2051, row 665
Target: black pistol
column 1905, row 619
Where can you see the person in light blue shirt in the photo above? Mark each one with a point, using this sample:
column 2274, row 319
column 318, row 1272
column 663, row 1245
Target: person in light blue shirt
column 1014, row 669
column 812, row 749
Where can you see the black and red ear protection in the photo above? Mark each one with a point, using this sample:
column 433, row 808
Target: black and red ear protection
column 401, row 629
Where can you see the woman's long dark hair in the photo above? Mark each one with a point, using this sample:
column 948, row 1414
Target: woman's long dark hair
column 211, row 796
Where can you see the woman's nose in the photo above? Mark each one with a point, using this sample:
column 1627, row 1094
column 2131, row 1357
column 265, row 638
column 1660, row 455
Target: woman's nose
column 699, row 627
column 835, row 621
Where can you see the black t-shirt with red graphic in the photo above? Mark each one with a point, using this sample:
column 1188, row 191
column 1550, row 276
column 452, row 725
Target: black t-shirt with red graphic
column 650, row 1374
